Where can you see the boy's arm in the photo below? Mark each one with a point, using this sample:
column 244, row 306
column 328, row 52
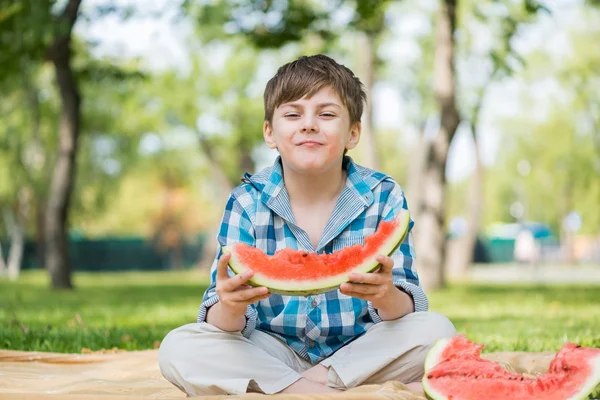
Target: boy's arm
column 235, row 227
column 404, row 272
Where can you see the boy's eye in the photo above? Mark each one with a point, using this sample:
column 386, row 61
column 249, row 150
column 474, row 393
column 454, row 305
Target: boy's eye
column 328, row 114
column 291, row 115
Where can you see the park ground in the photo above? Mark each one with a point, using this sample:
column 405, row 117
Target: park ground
column 507, row 308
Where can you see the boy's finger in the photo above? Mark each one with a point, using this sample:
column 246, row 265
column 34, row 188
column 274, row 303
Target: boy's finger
column 373, row 279
column 387, row 264
column 357, row 288
column 249, row 294
column 361, row 296
column 257, row 298
column 222, row 273
column 235, row 282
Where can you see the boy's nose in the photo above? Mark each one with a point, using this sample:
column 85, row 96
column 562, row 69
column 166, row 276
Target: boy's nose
column 310, row 125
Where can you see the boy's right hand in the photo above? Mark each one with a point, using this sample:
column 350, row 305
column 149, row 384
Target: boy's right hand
column 234, row 294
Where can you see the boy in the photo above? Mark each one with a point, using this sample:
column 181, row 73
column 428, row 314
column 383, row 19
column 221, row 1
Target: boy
column 315, row 198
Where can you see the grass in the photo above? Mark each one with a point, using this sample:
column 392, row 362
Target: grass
column 130, row 310
column 523, row 317
column 134, row 311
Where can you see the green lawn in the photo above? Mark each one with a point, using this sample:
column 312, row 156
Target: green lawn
column 135, row 310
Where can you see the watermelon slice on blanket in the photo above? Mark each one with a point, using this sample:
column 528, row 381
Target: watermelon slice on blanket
column 302, row 273
column 454, row 370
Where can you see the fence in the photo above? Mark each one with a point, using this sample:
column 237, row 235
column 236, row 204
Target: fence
column 120, row 254
column 549, row 249
column 136, row 253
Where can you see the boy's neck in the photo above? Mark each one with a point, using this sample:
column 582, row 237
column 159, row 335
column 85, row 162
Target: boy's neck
column 308, row 189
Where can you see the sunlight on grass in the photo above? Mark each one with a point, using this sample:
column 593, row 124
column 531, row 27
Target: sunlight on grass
column 135, row 310
column 125, row 310
column 523, row 317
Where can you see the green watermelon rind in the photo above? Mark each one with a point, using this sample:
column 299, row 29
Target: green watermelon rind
column 318, row 286
column 433, row 356
column 591, row 385
column 431, row 360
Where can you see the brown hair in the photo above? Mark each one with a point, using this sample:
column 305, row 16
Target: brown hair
column 309, row 74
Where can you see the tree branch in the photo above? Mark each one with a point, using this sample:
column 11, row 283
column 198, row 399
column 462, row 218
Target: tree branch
column 70, row 13
column 63, row 37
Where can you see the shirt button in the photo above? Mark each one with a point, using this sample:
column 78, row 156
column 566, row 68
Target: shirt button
column 311, row 344
column 314, row 303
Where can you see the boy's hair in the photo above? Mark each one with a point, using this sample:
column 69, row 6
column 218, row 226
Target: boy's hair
column 309, row 74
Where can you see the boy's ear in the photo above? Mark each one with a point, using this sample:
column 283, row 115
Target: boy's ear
column 355, row 131
column 268, row 135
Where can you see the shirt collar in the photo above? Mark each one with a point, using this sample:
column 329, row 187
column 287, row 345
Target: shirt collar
column 356, row 196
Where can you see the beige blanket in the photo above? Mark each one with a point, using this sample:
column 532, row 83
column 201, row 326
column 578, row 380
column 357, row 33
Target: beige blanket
column 120, row 375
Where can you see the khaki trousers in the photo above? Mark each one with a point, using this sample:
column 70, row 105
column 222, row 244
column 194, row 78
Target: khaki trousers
column 201, row 359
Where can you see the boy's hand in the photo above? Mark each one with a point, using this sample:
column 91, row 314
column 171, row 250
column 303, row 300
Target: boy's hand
column 378, row 288
column 234, row 294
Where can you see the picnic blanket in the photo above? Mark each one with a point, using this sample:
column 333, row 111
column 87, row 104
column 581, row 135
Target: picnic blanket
column 120, row 375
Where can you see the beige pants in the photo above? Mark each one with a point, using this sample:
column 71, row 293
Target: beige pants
column 201, row 359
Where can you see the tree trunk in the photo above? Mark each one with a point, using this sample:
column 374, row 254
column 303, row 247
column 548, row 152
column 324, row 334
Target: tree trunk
column 466, row 244
column 3, row 270
column 430, row 238
column 367, row 55
column 62, row 181
column 34, row 163
column 414, row 190
column 15, row 256
column 40, row 232
column 15, row 221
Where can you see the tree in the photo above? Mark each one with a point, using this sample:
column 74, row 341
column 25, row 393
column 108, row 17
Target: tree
column 21, row 147
column 49, row 41
column 369, row 22
column 565, row 176
column 305, row 22
column 222, row 109
column 266, row 24
column 504, row 22
column 15, row 226
column 122, row 112
column 21, row 60
column 430, row 240
column 428, row 178
column 61, row 184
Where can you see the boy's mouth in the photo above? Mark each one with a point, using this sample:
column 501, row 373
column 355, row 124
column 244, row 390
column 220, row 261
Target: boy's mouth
column 309, row 143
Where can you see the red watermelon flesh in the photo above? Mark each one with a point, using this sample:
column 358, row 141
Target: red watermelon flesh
column 300, row 272
column 454, row 370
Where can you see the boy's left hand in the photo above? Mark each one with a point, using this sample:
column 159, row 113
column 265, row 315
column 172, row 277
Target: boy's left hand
column 378, row 288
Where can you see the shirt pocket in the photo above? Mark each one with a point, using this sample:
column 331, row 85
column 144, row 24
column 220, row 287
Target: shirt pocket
column 343, row 242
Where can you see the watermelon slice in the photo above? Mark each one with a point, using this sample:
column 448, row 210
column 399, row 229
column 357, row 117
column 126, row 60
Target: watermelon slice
column 454, row 370
column 302, row 273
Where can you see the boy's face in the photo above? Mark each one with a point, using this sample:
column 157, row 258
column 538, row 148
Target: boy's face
column 311, row 134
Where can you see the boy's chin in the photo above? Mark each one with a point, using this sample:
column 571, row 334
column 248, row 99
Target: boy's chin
column 307, row 167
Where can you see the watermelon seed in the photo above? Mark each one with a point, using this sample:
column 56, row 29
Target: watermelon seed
column 304, row 254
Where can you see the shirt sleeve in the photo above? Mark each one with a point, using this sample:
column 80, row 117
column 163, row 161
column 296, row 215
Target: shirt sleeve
column 236, row 227
column 404, row 273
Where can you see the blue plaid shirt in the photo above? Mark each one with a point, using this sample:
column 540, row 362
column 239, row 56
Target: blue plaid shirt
column 258, row 213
